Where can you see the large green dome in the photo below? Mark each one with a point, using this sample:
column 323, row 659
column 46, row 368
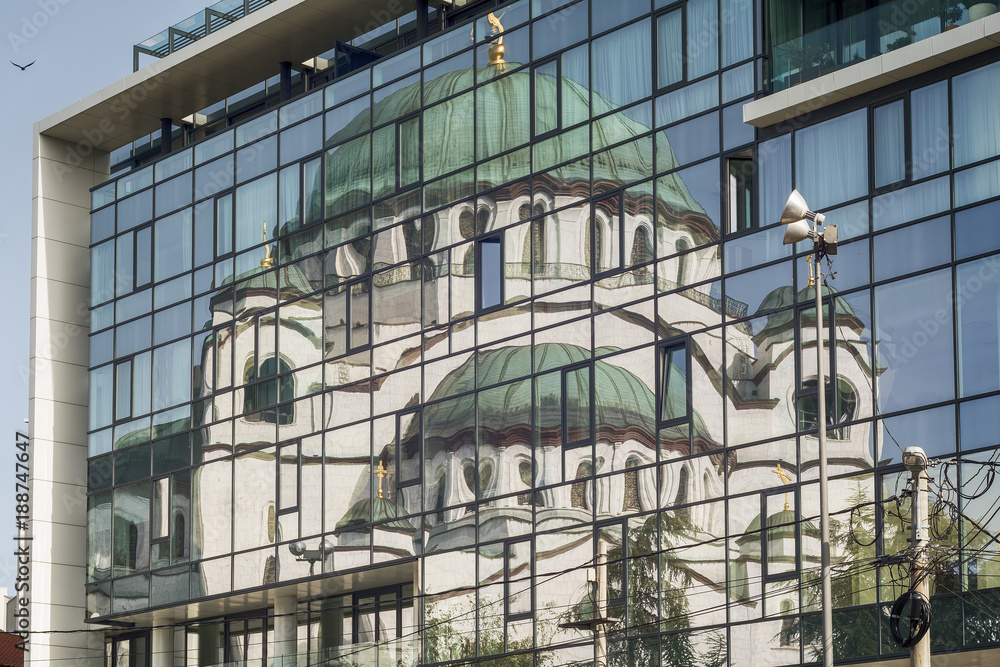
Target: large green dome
column 504, row 107
column 624, row 406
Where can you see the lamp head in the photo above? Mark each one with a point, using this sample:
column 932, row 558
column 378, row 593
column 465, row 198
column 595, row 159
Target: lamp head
column 297, row 548
column 795, row 232
column 796, row 209
column 914, row 459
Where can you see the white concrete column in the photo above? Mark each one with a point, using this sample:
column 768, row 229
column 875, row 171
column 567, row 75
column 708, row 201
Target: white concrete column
column 285, row 630
column 163, row 645
column 56, row 378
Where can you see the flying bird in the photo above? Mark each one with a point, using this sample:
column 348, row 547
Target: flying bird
column 23, row 67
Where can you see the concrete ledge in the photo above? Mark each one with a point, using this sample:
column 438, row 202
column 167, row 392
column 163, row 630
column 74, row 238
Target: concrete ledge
column 869, row 75
column 214, row 67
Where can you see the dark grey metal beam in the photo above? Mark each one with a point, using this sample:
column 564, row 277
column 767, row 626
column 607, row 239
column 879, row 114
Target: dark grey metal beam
column 166, row 129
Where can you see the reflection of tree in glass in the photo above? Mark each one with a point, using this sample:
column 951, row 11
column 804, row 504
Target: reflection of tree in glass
column 853, row 541
column 657, row 600
column 444, row 640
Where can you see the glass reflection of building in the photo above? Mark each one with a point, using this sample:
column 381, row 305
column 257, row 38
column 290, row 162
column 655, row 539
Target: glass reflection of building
column 377, row 373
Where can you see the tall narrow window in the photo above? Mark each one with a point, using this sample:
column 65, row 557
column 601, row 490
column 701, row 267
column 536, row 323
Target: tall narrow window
column 490, row 275
column 674, row 386
column 608, row 234
column 518, row 575
column 670, row 48
column 740, row 191
column 545, row 83
column 890, row 147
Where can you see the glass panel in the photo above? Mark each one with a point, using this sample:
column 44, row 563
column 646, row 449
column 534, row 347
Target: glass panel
column 503, row 119
column 702, row 37
column 687, row 101
column 101, row 396
column 301, row 140
column 975, row 111
column 737, row 31
column 348, row 175
column 173, row 194
column 409, row 151
column 774, row 163
column 838, row 146
column 577, row 400
column 621, row 67
column 545, row 79
column 135, row 210
column 916, row 201
column 977, row 183
column 124, row 265
column 557, row 31
column 912, row 248
column 978, row 320
column 256, row 206
column 172, row 245
column 890, row 153
column 669, row 44
column 143, row 256
column 737, row 82
column 123, row 390
column 915, row 347
column 256, row 159
column 172, row 374
column 929, row 138
column 161, row 508
column 102, row 272
column 490, row 273
column 976, row 230
column 673, row 399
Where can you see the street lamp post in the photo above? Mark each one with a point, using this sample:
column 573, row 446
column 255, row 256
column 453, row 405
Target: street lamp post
column 795, row 216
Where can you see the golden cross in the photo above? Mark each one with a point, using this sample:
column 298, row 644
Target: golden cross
column 494, row 21
column 381, row 472
column 785, row 479
column 268, row 261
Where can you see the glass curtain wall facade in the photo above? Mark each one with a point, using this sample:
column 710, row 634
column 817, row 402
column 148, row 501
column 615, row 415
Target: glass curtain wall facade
column 513, row 303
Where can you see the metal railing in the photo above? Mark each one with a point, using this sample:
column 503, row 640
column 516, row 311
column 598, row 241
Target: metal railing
column 871, row 33
column 194, row 28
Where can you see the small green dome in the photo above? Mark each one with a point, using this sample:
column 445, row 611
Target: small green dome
column 780, row 525
column 779, row 304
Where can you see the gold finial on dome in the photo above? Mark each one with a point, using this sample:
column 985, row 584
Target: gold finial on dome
column 268, row 261
column 785, row 479
column 496, row 51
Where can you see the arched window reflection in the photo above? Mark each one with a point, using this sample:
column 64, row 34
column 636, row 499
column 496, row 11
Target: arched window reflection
column 631, row 485
column 260, row 398
column 642, row 249
column 579, row 493
column 841, row 408
column 682, row 245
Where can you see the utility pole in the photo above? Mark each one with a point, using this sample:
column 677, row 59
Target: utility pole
column 915, row 460
column 600, row 633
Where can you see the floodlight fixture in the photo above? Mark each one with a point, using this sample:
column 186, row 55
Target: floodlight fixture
column 795, row 232
column 796, row 209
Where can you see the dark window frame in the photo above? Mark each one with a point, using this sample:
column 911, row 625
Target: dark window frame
column 663, row 350
column 480, row 273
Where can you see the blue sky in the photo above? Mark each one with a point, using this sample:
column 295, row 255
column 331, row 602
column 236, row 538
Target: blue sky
column 79, row 46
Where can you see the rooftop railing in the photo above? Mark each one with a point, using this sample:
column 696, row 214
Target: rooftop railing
column 194, row 28
column 866, row 35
